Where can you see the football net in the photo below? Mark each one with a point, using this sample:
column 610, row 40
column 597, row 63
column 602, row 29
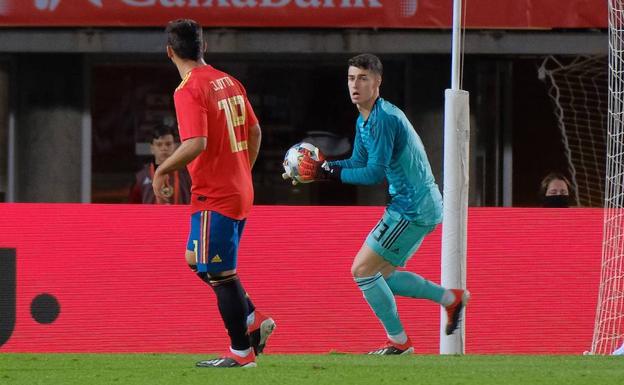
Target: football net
column 578, row 88
column 609, row 322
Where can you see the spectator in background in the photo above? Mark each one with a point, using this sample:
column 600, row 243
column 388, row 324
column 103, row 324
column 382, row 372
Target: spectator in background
column 163, row 144
column 555, row 190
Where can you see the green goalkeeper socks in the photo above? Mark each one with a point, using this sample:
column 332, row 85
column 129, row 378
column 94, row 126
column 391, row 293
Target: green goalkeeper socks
column 408, row 284
column 381, row 300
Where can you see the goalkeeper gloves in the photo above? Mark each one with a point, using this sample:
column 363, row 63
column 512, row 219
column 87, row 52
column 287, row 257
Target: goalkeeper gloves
column 311, row 170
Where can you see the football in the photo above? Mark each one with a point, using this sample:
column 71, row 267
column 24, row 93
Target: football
column 292, row 157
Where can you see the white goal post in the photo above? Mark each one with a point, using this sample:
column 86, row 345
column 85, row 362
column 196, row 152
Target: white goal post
column 456, row 174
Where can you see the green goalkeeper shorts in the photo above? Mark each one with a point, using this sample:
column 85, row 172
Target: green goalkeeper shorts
column 396, row 239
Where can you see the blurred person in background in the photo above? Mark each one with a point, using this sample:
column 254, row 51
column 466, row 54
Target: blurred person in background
column 163, row 144
column 555, row 191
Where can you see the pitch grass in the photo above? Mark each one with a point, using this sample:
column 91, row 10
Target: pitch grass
column 334, row 369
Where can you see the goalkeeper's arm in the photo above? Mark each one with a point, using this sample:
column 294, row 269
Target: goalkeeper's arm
column 360, row 169
column 313, row 170
column 370, row 174
column 369, row 166
column 358, row 158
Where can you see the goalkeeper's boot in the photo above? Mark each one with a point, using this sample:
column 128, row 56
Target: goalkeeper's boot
column 453, row 311
column 260, row 331
column 392, row 348
column 229, row 361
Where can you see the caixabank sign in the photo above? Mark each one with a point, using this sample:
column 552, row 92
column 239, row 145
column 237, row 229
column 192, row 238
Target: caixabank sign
column 486, row 14
column 112, row 278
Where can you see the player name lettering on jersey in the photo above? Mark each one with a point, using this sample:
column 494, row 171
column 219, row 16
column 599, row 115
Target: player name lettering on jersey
column 221, row 83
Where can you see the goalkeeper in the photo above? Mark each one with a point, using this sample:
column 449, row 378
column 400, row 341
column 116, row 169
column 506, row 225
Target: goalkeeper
column 387, row 147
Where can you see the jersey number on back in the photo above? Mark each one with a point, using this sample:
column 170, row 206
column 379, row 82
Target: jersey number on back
column 234, row 108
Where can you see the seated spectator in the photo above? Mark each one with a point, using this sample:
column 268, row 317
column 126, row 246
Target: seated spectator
column 162, row 146
column 555, row 190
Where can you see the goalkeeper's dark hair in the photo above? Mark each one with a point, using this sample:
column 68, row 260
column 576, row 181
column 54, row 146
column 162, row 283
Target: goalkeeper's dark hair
column 185, row 37
column 161, row 130
column 367, row 61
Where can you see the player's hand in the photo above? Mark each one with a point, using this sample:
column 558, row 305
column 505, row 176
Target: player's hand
column 162, row 189
column 310, row 170
column 285, row 176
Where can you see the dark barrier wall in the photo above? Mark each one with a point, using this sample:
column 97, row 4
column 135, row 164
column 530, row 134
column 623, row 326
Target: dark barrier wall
column 112, row 278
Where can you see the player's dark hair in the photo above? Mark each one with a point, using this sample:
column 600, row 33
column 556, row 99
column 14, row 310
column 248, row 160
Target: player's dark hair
column 161, row 130
column 367, row 61
column 185, row 36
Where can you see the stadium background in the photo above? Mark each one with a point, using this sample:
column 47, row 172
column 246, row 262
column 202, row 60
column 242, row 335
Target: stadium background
column 81, row 83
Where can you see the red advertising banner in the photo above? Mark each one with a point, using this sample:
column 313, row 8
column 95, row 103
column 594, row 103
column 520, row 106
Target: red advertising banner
column 112, row 278
column 519, row 14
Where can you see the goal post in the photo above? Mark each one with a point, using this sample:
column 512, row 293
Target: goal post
column 456, row 174
column 455, row 215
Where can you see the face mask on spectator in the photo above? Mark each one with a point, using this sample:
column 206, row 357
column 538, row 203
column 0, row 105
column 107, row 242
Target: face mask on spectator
column 557, row 201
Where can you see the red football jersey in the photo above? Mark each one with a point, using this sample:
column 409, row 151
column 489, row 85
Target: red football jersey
column 213, row 104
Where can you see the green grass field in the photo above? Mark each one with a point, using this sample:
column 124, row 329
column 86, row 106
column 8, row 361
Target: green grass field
column 178, row 369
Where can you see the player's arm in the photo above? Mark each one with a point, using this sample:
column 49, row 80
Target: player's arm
column 255, row 133
column 368, row 168
column 183, row 155
column 253, row 143
column 193, row 127
column 358, row 157
column 320, row 170
column 379, row 156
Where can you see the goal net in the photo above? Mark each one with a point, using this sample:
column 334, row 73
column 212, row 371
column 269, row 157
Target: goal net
column 609, row 323
column 578, row 89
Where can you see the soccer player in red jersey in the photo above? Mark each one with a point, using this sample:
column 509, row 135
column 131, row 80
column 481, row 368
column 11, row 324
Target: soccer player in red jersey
column 220, row 143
